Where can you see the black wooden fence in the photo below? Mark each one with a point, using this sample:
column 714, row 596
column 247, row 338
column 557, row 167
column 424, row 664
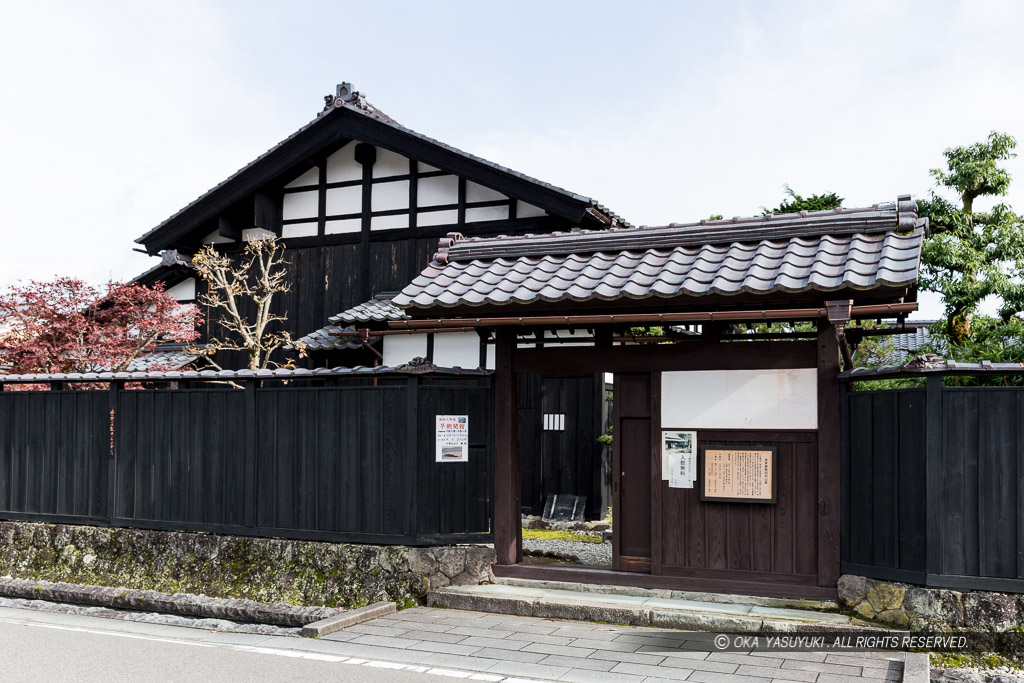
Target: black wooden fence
column 933, row 486
column 353, row 462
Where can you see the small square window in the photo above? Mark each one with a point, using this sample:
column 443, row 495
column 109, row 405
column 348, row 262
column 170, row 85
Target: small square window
column 554, row 422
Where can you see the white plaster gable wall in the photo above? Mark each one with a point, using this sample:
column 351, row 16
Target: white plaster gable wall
column 388, row 164
column 300, row 205
column 310, row 178
column 486, row 213
column 479, row 193
column 399, row 349
column 344, row 200
column 343, row 226
column 437, row 190
column 299, row 229
column 388, row 196
column 437, row 217
column 457, row 349
column 342, row 165
column 524, row 210
column 184, row 290
column 740, row 399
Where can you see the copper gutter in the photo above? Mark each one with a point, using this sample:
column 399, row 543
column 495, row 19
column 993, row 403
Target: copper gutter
column 869, row 311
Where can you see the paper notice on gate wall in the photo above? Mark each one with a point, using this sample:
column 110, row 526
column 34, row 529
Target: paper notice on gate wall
column 452, row 438
column 678, row 458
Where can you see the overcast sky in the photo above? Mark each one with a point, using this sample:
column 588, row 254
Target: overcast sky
column 115, row 115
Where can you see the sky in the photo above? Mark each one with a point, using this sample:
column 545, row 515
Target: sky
column 114, row 115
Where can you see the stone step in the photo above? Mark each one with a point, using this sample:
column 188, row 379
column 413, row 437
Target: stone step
column 638, row 610
column 752, row 600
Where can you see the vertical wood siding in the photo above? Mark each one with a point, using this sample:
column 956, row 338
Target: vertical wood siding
column 973, row 509
column 340, row 463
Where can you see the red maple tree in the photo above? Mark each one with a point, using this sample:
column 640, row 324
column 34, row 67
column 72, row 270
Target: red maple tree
column 66, row 325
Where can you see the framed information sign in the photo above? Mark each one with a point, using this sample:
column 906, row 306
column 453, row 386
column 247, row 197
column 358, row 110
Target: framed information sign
column 737, row 475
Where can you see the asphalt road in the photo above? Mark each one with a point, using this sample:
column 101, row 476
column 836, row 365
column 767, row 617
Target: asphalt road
column 32, row 651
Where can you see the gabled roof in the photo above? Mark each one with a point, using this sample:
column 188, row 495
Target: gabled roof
column 355, row 119
column 335, row 338
column 164, row 357
column 855, row 249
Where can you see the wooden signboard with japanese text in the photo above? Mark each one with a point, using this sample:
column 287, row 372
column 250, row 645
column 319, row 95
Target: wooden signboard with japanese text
column 737, row 476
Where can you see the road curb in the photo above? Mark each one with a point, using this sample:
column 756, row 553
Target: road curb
column 351, row 618
column 184, row 604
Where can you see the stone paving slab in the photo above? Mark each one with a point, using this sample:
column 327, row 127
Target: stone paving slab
column 644, row 608
column 481, row 644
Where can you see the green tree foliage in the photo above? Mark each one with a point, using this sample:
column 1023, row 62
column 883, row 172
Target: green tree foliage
column 797, row 203
column 970, row 254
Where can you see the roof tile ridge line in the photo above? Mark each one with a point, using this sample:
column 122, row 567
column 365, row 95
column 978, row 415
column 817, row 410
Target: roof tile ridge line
column 445, row 244
column 596, row 244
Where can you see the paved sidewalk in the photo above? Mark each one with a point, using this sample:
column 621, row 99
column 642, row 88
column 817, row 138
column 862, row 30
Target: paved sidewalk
column 550, row 649
column 499, row 648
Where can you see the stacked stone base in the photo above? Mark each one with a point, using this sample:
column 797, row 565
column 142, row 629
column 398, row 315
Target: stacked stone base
column 920, row 609
column 265, row 570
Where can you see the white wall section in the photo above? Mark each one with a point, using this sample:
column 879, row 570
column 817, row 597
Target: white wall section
column 309, row 178
column 389, row 222
column 342, row 165
column 457, row 349
column 388, row 164
column 524, row 210
column 339, row 227
column 216, row 238
column 343, row 200
column 299, row 230
column 479, row 193
column 388, row 196
column 449, row 217
column 437, row 190
column 399, row 349
column 301, row 205
column 740, row 399
column 184, row 290
column 486, row 213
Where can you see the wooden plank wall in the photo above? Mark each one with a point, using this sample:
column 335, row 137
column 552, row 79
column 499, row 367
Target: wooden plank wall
column 946, row 510
column 568, row 461
column 338, row 463
column 747, row 542
column 54, row 454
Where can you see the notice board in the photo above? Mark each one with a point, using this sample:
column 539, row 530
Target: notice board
column 737, row 475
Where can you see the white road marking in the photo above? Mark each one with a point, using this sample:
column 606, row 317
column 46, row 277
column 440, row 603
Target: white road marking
column 295, row 654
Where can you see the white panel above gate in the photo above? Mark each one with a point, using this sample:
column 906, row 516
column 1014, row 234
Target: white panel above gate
column 740, row 399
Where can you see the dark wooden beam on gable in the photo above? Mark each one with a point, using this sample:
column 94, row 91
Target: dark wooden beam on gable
column 268, row 211
column 226, row 227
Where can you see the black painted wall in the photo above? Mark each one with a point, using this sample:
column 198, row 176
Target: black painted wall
column 352, row 462
column 933, row 486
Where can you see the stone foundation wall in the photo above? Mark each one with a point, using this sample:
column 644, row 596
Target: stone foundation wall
column 262, row 569
column 904, row 605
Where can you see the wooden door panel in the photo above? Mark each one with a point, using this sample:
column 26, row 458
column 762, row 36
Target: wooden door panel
column 631, row 544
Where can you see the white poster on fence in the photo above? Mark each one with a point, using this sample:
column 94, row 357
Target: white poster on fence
column 679, row 458
column 452, row 438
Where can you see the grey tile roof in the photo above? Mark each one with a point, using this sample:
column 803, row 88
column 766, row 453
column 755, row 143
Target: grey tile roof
column 825, row 250
column 910, row 342
column 923, row 366
column 362, row 107
column 222, row 375
column 378, row 309
column 170, row 357
column 331, row 338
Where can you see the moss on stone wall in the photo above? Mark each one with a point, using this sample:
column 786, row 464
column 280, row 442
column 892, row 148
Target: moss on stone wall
column 266, row 570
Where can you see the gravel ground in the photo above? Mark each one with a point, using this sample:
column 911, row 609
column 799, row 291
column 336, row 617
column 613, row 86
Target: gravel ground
column 593, row 554
column 150, row 617
column 1000, row 675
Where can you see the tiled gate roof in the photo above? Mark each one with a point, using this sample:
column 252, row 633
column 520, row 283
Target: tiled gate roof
column 863, row 248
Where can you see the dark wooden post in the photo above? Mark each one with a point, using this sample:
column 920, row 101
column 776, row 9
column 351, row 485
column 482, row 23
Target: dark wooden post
column 828, row 456
column 508, row 527
column 251, row 453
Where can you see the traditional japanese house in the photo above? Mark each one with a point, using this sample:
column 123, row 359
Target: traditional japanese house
column 726, row 471
column 360, row 202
